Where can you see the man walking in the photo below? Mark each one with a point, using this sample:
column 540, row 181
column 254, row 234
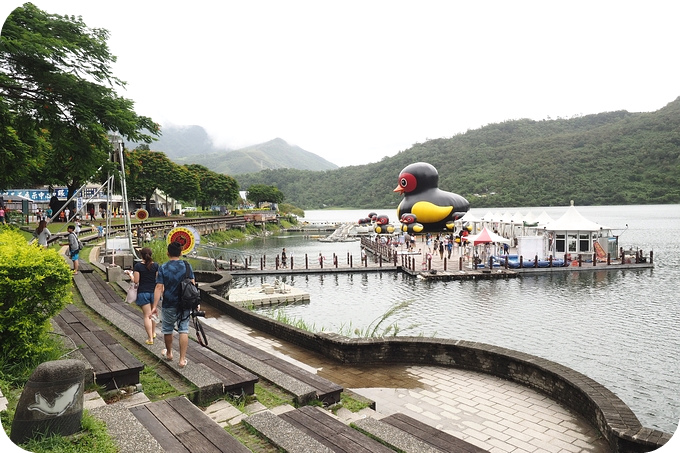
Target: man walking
column 170, row 275
column 73, row 247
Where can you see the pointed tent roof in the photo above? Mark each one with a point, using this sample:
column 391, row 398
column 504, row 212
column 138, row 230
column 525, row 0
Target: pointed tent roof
column 485, row 236
column 469, row 217
column 544, row 218
column 572, row 220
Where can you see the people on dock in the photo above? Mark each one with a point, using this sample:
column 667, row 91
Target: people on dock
column 42, row 233
column 169, row 277
column 284, row 258
column 144, row 276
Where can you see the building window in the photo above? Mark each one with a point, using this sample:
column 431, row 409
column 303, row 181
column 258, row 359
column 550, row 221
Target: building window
column 571, row 242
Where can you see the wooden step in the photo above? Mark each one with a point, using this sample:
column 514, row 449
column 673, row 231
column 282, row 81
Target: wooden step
column 179, row 426
column 331, row 432
column 407, row 434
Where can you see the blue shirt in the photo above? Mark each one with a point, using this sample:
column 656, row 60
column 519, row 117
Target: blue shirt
column 171, row 274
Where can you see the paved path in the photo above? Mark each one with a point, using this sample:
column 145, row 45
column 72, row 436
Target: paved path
column 492, row 413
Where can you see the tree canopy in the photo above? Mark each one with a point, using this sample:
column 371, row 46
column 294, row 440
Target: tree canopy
column 58, row 100
column 259, row 193
column 214, row 188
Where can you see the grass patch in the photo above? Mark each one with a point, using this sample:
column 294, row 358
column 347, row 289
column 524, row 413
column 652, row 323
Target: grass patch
column 251, row 439
column 271, row 395
column 93, row 437
column 155, row 387
column 351, row 404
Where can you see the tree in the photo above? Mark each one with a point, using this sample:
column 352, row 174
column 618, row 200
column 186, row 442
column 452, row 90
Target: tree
column 259, row 193
column 57, row 89
column 215, row 188
column 147, row 171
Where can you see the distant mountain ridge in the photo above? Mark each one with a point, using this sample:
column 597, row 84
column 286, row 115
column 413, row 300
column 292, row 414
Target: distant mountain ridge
column 609, row 158
column 192, row 145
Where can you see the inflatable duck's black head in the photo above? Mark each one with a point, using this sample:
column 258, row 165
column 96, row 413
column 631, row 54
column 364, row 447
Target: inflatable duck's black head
column 417, row 177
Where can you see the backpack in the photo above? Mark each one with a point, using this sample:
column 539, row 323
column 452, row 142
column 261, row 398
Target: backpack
column 189, row 295
column 80, row 245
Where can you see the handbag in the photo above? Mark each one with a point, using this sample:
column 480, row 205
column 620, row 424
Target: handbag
column 131, row 293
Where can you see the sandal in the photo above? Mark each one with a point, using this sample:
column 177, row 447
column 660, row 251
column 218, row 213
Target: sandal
column 185, row 363
column 164, row 354
column 149, row 341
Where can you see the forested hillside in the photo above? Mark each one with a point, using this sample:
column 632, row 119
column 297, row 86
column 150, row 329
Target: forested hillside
column 270, row 155
column 608, row 158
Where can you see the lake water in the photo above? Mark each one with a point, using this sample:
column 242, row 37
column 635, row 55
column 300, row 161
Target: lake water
column 619, row 328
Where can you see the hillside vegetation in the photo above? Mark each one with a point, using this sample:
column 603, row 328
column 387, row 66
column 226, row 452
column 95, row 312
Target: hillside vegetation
column 273, row 154
column 607, row 158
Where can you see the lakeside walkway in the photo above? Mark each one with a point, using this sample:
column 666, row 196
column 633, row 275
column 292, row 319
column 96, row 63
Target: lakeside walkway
column 494, row 414
column 491, row 413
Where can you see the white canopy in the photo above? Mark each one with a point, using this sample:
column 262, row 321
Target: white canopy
column 572, row 220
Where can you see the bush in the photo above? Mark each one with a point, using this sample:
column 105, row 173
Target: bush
column 35, row 284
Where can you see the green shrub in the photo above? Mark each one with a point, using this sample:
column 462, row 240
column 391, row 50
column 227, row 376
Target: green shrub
column 35, row 284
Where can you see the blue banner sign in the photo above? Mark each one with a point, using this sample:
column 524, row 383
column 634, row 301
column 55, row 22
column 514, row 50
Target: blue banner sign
column 42, row 195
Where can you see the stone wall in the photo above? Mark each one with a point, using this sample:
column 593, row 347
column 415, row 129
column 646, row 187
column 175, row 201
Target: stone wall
column 602, row 408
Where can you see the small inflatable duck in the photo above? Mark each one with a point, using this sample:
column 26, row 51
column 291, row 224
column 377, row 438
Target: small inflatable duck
column 426, row 208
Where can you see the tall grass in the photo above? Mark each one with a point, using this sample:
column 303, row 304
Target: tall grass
column 373, row 330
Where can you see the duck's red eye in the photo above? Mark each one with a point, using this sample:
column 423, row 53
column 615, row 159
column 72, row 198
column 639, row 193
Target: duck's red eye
column 408, row 182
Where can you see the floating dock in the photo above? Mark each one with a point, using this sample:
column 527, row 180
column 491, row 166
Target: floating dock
column 266, row 294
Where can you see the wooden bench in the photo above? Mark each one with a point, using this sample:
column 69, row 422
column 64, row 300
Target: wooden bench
column 232, row 378
column 331, row 432
column 326, row 391
column 113, row 365
column 179, row 426
column 432, row 437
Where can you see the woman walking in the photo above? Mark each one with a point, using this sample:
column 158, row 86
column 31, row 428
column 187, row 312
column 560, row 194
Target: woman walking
column 144, row 277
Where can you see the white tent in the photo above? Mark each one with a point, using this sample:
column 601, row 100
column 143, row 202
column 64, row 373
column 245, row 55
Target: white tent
column 572, row 220
column 574, row 234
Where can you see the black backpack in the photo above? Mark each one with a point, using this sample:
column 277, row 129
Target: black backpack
column 189, row 295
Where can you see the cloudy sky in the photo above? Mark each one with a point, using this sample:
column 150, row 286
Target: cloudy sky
column 354, row 81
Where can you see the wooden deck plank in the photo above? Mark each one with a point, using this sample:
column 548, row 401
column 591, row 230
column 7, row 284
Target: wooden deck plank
column 184, row 427
column 104, row 337
column 67, row 315
column 437, row 438
column 98, row 366
column 163, row 436
column 331, row 432
column 206, row 426
column 112, row 364
column 324, row 387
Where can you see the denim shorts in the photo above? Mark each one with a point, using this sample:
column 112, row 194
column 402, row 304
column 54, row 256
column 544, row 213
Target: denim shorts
column 144, row 298
column 169, row 316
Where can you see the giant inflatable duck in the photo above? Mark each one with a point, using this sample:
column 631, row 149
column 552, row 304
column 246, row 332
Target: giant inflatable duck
column 426, row 208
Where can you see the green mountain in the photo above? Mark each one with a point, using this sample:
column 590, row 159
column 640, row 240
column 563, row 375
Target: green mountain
column 607, row 158
column 273, row 154
column 192, row 145
column 180, row 141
